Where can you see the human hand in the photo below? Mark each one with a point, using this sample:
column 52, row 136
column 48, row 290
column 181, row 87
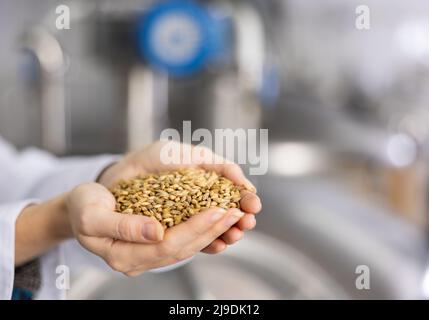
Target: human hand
column 132, row 244
column 149, row 160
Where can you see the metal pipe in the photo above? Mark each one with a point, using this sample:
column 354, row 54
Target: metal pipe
column 50, row 57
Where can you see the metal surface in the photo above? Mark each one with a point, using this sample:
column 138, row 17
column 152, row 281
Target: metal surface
column 318, row 234
column 51, row 61
column 257, row 268
column 348, row 99
column 325, row 220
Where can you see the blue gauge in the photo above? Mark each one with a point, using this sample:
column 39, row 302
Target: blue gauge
column 178, row 37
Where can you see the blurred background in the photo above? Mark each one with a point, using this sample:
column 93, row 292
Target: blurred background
column 346, row 111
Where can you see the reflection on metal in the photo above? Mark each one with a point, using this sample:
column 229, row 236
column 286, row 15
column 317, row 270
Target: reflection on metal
column 411, row 38
column 147, row 101
column 235, row 103
column 325, row 220
column 50, row 56
column 296, row 159
column 303, row 158
column 401, row 150
column 258, row 267
column 425, row 285
column 140, row 107
column 251, row 47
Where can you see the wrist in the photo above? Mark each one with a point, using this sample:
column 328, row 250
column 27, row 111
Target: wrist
column 52, row 218
column 40, row 227
column 60, row 223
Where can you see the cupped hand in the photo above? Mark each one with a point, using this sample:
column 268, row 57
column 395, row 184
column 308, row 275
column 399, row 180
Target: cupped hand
column 152, row 159
column 132, row 244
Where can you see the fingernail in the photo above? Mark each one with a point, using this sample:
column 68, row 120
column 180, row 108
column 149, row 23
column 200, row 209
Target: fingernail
column 218, row 214
column 149, row 232
column 234, row 217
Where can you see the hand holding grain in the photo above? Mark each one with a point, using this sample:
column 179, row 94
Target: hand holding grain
column 175, row 196
column 132, row 244
column 148, row 161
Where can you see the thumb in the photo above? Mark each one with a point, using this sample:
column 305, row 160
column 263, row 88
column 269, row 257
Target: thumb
column 129, row 228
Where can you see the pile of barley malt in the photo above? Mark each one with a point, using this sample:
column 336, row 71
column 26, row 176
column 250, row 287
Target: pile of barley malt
column 173, row 197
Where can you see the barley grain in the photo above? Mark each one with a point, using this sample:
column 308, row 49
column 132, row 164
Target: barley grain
column 173, row 197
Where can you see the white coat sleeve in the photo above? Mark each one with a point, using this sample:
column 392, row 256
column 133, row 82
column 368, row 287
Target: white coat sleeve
column 34, row 174
column 8, row 214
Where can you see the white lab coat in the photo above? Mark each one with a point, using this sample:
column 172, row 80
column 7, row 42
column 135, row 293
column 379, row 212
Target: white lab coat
column 32, row 176
column 29, row 177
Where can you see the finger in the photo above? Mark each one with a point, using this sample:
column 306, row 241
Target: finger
column 195, row 227
column 216, row 246
column 98, row 246
column 175, row 239
column 248, row 222
column 187, row 155
column 116, row 253
column 208, row 160
column 250, row 202
column 231, row 218
column 204, row 239
column 129, row 228
column 232, row 235
column 230, row 170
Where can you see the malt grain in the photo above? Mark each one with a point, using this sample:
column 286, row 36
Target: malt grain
column 174, row 197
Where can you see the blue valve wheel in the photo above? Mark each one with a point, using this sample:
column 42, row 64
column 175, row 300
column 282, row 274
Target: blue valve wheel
column 176, row 37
